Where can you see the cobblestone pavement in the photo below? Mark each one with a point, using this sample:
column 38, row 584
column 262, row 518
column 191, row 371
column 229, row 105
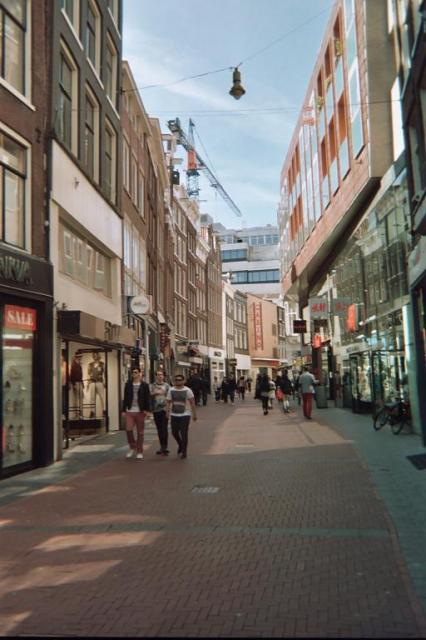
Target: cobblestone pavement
column 273, row 527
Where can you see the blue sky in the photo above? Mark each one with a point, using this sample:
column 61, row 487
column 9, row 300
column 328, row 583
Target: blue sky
column 246, row 140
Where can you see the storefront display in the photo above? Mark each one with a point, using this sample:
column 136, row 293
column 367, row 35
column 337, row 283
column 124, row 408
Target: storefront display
column 17, row 345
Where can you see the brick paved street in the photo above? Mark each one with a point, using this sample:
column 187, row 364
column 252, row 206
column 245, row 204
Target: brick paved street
column 273, row 527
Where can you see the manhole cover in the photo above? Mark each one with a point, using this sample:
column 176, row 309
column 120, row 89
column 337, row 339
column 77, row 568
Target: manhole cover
column 199, row 488
column 419, row 461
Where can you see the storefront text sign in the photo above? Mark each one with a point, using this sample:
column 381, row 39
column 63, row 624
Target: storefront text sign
column 318, row 308
column 15, row 269
column 339, row 307
column 22, row 318
column 258, row 330
column 299, row 326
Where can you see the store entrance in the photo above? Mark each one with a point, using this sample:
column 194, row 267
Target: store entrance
column 360, row 371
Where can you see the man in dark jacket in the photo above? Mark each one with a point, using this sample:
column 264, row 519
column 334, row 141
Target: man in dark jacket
column 136, row 406
column 194, row 382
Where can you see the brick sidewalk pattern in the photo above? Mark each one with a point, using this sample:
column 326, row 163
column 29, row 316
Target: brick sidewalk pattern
column 272, row 527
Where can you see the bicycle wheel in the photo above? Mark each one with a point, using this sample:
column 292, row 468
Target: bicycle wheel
column 380, row 419
column 404, row 422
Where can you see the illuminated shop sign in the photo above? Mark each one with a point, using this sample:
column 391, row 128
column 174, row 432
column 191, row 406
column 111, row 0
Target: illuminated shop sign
column 22, row 318
column 258, row 331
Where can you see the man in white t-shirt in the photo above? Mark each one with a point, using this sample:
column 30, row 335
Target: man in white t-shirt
column 180, row 408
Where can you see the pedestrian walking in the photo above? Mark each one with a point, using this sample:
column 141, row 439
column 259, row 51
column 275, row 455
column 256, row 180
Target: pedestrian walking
column 249, row 381
column 272, row 388
column 307, row 388
column 136, row 407
column 204, row 389
column 241, row 387
column 286, row 388
column 195, row 384
column 263, row 387
column 225, row 390
column 232, row 388
column 159, row 390
column 216, row 388
column 180, row 408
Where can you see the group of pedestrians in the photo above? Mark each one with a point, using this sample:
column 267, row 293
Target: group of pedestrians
column 227, row 389
column 283, row 389
column 163, row 402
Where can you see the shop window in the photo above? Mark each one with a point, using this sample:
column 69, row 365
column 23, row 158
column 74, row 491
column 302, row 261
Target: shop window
column 19, row 325
column 13, row 181
column 13, row 43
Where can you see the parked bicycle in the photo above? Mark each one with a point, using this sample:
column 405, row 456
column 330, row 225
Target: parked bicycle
column 396, row 413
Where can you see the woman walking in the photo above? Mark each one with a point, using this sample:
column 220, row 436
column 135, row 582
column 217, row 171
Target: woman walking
column 286, row 388
column 241, row 387
column 264, row 392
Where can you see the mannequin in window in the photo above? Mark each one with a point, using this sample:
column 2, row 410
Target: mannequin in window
column 76, row 382
column 96, row 382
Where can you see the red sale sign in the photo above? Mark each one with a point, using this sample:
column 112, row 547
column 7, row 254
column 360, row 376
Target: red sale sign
column 22, row 318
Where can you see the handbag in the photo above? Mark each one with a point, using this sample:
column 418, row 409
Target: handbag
column 279, row 394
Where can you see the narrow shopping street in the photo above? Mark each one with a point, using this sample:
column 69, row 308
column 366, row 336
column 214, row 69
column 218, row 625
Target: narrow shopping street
column 273, row 526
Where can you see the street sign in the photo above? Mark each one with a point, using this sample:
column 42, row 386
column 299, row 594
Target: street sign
column 339, row 307
column 299, row 326
column 140, row 305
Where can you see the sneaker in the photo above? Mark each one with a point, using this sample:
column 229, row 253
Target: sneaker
column 130, row 454
column 159, row 452
column 183, row 456
column 139, row 456
column 179, row 451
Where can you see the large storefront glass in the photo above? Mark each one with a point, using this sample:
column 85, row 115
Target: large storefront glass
column 90, row 389
column 19, row 325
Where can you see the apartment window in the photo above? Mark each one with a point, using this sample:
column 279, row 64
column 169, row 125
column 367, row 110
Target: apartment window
column 83, row 262
column 91, row 136
column 113, row 7
column 141, row 198
column 110, row 161
column 134, row 180
column 13, row 174
column 71, row 8
column 67, row 111
column 12, row 42
column 110, row 78
column 92, row 44
column 126, row 165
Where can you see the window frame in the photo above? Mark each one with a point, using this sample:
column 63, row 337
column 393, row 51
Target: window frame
column 96, row 63
column 72, row 65
column 25, row 27
column 110, row 187
column 25, row 176
column 111, row 48
column 91, row 98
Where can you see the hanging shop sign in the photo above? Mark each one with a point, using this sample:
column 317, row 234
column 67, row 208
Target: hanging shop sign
column 299, row 326
column 22, row 318
column 318, row 307
column 339, row 307
column 258, row 330
column 351, row 318
column 140, row 305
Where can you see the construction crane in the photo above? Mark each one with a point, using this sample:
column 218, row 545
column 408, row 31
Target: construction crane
column 197, row 164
